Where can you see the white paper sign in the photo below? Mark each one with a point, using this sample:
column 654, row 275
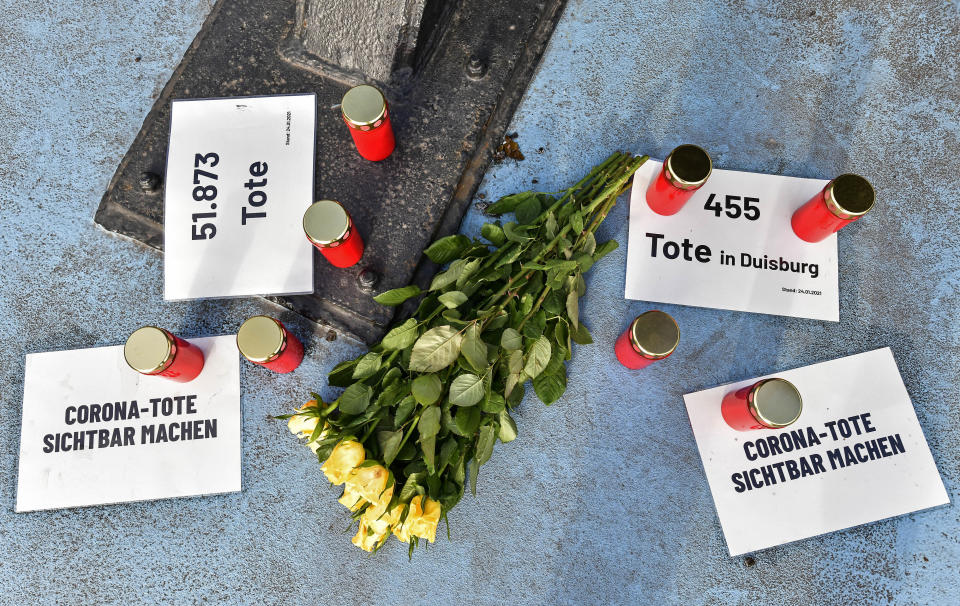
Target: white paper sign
column 856, row 455
column 95, row 432
column 239, row 178
column 739, row 254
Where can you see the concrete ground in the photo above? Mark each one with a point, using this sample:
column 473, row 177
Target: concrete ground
column 602, row 499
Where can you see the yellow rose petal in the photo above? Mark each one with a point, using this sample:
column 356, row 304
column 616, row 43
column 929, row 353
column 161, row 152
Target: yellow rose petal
column 425, row 526
column 345, row 456
column 351, row 499
column 369, row 481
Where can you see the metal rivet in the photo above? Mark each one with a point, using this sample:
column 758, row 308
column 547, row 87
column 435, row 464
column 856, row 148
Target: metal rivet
column 367, row 279
column 331, row 335
column 476, row 68
column 149, row 182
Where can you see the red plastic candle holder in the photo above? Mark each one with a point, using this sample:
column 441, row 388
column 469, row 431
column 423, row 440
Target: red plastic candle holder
column 329, row 227
column 652, row 336
column 840, row 203
column 767, row 404
column 154, row 351
column 684, row 171
column 365, row 112
column 265, row 341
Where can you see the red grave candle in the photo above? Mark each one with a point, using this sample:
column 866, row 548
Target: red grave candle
column 154, row 351
column 364, row 110
column 767, row 404
column 329, row 227
column 840, row 203
column 684, row 171
column 652, row 336
column 265, row 341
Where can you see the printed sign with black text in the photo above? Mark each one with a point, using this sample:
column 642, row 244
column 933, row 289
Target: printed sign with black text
column 856, row 455
column 731, row 247
column 239, row 178
column 95, row 431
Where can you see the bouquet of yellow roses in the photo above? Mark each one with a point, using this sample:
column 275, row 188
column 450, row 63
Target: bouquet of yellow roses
column 423, row 409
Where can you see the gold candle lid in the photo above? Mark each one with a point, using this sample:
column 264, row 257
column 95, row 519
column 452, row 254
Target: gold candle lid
column 261, row 339
column 849, row 196
column 363, row 105
column 326, row 222
column 688, row 166
column 654, row 334
column 775, row 403
column 149, row 350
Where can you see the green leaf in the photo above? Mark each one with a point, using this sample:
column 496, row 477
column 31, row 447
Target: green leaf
column 452, row 299
column 429, row 448
column 493, row 233
column 535, row 325
column 435, row 350
column 342, row 374
column 551, row 225
column 508, row 427
column 355, row 399
column 485, row 444
column 409, row 489
column 511, row 256
column 389, row 444
column 516, row 233
column 605, row 249
column 516, row 395
column 474, row 472
column 474, row 349
column 589, row 245
column 468, row 419
column 581, row 335
column 511, row 339
column 573, row 308
column 508, row 204
column 554, row 303
column 576, row 222
column 447, row 249
column 515, row 363
column 367, row 366
column 445, row 278
column 401, row 337
column 538, row 356
column 404, row 409
column 466, row 390
column 397, row 295
column 498, row 322
column 427, row 389
column 447, row 449
column 584, row 261
column 493, row 404
column 429, row 424
column 528, row 211
column 469, row 268
column 549, row 387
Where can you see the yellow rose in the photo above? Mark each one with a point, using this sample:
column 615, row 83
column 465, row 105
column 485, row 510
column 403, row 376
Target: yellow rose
column 302, row 425
column 421, row 520
column 345, row 456
column 374, row 528
column 351, row 499
column 370, row 481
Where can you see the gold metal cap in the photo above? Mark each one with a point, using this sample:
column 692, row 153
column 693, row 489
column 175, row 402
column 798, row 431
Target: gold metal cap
column 849, row 196
column 326, row 222
column 149, row 350
column 363, row 105
column 775, row 403
column 261, row 339
column 688, row 166
column 654, row 334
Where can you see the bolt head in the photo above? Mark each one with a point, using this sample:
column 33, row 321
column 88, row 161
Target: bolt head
column 367, row 279
column 476, row 68
column 149, row 182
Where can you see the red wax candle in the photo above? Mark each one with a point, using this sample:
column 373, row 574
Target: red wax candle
column 365, row 112
column 329, row 227
column 155, row 351
column 652, row 336
column 267, row 342
column 840, row 203
column 767, row 404
column 684, row 171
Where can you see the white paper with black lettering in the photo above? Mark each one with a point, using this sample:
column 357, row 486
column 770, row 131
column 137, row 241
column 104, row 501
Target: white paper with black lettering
column 857, row 454
column 239, row 178
column 95, row 431
column 723, row 257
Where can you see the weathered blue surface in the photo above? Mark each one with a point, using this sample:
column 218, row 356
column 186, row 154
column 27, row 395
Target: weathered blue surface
column 603, row 498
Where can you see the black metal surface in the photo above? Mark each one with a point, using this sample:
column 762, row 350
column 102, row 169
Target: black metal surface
column 447, row 126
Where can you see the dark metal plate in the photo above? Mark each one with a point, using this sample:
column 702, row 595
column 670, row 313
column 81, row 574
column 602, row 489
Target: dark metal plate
column 447, row 126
